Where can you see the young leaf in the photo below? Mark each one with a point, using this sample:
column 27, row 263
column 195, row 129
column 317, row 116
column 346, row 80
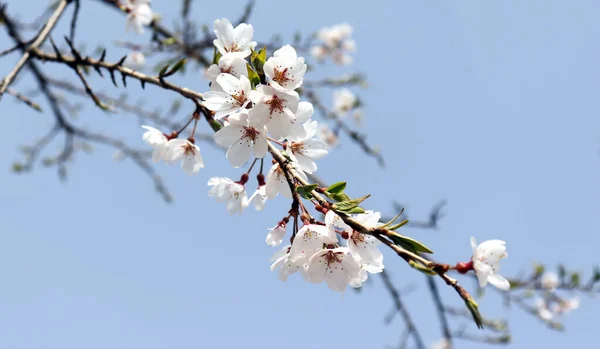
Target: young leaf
column 345, row 206
column 408, row 243
column 258, row 59
column 305, row 190
column 357, row 209
column 216, row 56
column 252, row 76
column 474, row 309
column 399, row 225
column 336, row 188
column 423, row 269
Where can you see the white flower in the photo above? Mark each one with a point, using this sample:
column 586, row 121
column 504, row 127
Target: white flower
column 335, row 223
column 276, row 107
column 308, row 149
column 343, row 101
column 542, row 309
column 259, row 197
column 303, row 114
column 550, row 281
column 242, row 136
column 230, row 192
column 365, row 248
column 282, row 260
column 156, row 140
column 486, row 262
column 319, row 52
column 135, row 60
column 335, row 266
column 442, row 344
column 333, row 36
column 565, row 306
column 327, row 135
column 233, row 42
column 276, row 234
column 336, row 43
column 285, row 70
column 235, row 66
column 140, row 15
column 309, row 240
column 277, row 183
column 187, row 152
column 232, row 95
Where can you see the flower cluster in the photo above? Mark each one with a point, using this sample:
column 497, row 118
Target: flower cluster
column 551, row 305
column 257, row 113
column 172, row 150
column 335, row 43
column 317, row 255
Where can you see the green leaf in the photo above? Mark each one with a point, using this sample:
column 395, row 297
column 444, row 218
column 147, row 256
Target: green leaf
column 423, row 269
column 168, row 41
column 215, row 125
column 596, row 276
column 258, row 59
column 474, row 309
column 575, row 280
column 345, row 206
column 399, row 225
column 216, row 56
column 305, row 190
column 408, row 243
column 176, row 67
column 337, row 188
column 163, row 70
column 357, row 209
column 340, row 197
column 252, row 76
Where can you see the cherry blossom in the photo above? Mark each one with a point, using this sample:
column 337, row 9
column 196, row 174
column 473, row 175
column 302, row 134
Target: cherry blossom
column 235, row 66
column 550, row 281
column 442, row 344
column 325, row 134
column 242, row 136
column 135, row 60
column 564, row 306
column 303, row 114
column 140, row 15
column 232, row 95
column 335, row 266
column 187, row 152
column 277, row 183
column 276, row 234
column 486, row 262
column 277, row 107
column 234, row 42
column 259, row 198
column 157, row 140
column 285, row 70
column 308, row 149
column 542, row 309
column 232, row 193
column 365, row 248
column 343, row 101
column 336, row 42
column 309, row 240
column 281, row 259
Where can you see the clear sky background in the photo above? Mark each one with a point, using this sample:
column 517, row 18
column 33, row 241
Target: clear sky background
column 491, row 105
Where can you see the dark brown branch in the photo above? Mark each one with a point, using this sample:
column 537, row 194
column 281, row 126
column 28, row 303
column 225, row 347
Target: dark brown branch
column 43, row 34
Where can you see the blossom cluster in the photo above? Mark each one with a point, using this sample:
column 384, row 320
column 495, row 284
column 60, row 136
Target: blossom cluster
column 255, row 102
column 336, row 42
column 255, row 114
column 316, row 254
column 551, row 305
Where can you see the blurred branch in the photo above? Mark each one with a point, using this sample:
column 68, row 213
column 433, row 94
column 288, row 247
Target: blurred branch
column 39, row 39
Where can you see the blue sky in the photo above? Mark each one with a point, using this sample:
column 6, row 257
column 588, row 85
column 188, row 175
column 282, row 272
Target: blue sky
column 490, row 105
